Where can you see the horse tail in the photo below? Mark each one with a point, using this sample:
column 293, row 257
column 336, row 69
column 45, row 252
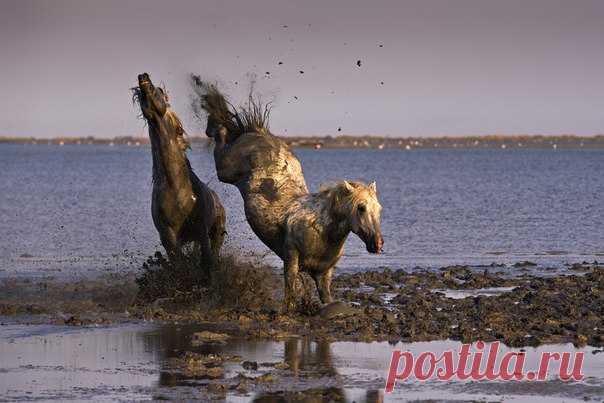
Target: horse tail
column 211, row 102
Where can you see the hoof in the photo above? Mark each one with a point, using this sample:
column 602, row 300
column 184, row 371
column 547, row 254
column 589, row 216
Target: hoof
column 337, row 309
column 289, row 307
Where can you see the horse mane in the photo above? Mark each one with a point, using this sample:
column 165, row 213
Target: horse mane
column 136, row 98
column 176, row 123
column 209, row 101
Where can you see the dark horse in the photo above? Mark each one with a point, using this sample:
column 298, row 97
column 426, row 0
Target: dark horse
column 184, row 209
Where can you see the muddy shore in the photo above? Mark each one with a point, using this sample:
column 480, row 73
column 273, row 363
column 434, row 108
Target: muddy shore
column 457, row 302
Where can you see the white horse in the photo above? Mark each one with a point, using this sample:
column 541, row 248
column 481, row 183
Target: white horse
column 307, row 231
column 317, row 225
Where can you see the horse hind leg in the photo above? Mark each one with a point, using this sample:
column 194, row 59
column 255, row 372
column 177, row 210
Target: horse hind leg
column 218, row 229
column 205, row 248
column 291, row 270
column 323, row 282
column 217, row 235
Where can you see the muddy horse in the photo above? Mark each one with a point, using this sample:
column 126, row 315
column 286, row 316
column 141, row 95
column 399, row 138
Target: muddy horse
column 184, row 209
column 306, row 230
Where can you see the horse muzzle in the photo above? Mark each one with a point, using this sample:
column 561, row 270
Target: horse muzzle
column 375, row 244
column 144, row 80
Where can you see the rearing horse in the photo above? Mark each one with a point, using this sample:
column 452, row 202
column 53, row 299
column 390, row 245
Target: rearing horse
column 184, row 209
column 306, row 230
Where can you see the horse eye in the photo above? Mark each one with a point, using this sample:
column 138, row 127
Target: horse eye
column 362, row 209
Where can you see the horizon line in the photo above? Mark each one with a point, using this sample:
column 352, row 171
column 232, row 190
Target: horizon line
column 319, row 136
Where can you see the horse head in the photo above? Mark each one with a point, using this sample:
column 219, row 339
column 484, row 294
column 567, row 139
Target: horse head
column 359, row 204
column 156, row 110
column 153, row 100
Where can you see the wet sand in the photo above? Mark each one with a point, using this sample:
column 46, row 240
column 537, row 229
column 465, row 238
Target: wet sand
column 93, row 340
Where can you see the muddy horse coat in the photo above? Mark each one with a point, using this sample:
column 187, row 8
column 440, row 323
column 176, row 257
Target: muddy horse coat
column 306, row 230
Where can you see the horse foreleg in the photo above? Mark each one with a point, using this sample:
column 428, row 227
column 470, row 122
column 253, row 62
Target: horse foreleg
column 170, row 242
column 218, row 230
column 323, row 282
column 291, row 276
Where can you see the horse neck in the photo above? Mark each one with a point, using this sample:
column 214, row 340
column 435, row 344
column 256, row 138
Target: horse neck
column 336, row 223
column 169, row 161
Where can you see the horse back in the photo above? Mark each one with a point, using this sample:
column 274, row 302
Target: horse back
column 269, row 177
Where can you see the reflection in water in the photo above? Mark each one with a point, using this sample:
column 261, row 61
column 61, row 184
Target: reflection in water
column 306, row 358
column 306, row 396
column 304, row 355
column 316, row 396
column 129, row 363
column 309, row 364
column 313, row 359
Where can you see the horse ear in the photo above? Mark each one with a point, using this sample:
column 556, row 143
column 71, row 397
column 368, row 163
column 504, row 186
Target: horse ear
column 373, row 187
column 348, row 187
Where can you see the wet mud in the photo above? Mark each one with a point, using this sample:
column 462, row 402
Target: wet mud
column 458, row 302
column 101, row 300
column 243, row 299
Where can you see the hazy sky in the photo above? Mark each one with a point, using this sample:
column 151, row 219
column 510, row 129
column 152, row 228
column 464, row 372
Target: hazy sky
column 448, row 67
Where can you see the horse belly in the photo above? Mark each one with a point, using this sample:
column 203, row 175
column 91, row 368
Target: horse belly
column 320, row 262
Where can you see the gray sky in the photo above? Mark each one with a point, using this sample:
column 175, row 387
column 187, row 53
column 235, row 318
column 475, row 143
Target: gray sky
column 448, row 67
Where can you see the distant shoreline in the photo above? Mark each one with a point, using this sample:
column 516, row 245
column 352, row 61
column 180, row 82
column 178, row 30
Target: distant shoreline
column 363, row 142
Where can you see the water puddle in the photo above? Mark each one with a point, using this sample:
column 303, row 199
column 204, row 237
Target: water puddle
column 387, row 297
column 131, row 363
column 460, row 294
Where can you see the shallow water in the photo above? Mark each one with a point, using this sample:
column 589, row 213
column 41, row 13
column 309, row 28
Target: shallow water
column 86, row 209
column 486, row 292
column 129, row 363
